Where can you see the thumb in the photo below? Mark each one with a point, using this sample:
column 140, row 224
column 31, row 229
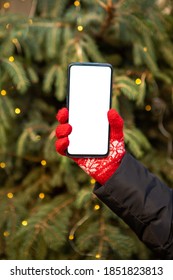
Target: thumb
column 116, row 124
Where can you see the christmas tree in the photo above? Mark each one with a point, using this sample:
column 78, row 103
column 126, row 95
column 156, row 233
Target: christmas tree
column 47, row 208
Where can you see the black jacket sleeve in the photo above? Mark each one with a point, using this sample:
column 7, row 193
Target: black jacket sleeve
column 143, row 202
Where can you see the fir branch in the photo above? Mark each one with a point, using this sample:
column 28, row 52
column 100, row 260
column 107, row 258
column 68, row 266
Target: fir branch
column 102, row 233
column 83, row 197
column 91, row 49
column 48, row 223
column 16, row 72
column 163, row 77
column 86, row 240
column 7, row 112
column 142, row 91
column 80, row 53
column 137, row 58
column 74, row 50
column 123, row 245
column 140, row 138
column 136, row 142
column 148, row 60
column 127, row 86
column 166, row 51
column 67, row 35
column 6, row 48
column 9, row 107
column 32, row 74
column 92, row 22
column 60, row 82
column 49, row 77
column 47, row 24
column 55, row 76
column 3, row 137
column 110, row 11
column 58, row 8
column 22, row 142
column 53, row 41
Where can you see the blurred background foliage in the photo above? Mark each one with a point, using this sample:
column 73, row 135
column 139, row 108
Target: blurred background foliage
column 47, row 209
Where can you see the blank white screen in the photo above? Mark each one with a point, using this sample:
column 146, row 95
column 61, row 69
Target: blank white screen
column 89, row 102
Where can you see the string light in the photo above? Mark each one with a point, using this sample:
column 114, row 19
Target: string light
column 2, row 164
column 71, row 237
column 41, row 195
column 148, row 108
column 76, row 3
column 138, row 81
column 10, row 195
column 80, row 28
column 92, row 181
column 145, row 49
column 6, row 233
column 96, row 207
column 3, row 92
column 17, row 111
column 11, row 58
column 6, row 5
column 24, row 223
column 97, row 256
column 43, row 162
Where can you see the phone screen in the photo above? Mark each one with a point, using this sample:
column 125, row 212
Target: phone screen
column 88, row 101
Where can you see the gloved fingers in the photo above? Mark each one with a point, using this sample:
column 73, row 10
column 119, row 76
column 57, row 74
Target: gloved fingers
column 116, row 124
column 61, row 145
column 63, row 130
column 62, row 115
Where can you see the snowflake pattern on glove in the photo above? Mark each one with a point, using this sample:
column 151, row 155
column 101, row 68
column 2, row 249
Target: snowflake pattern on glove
column 100, row 168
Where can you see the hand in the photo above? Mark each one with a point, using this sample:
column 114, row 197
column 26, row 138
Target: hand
column 101, row 169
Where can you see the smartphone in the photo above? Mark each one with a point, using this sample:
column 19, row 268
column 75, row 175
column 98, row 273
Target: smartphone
column 88, row 101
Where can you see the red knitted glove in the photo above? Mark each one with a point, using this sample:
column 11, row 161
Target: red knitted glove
column 101, row 169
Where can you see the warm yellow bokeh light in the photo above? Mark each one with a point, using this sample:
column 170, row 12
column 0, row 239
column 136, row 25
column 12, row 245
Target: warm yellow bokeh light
column 24, row 223
column 76, row 3
column 11, row 58
column 2, row 164
column 97, row 207
column 3, row 92
column 71, row 237
column 6, row 5
column 6, row 233
column 148, row 108
column 10, row 195
column 43, row 162
column 138, row 81
column 92, row 181
column 97, row 256
column 17, row 111
column 80, row 28
column 41, row 195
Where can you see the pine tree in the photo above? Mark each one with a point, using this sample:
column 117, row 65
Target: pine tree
column 47, row 209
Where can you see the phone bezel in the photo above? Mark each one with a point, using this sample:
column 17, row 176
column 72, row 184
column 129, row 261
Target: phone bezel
column 110, row 103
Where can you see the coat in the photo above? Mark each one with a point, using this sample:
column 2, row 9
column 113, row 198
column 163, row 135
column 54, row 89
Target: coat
column 143, row 202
